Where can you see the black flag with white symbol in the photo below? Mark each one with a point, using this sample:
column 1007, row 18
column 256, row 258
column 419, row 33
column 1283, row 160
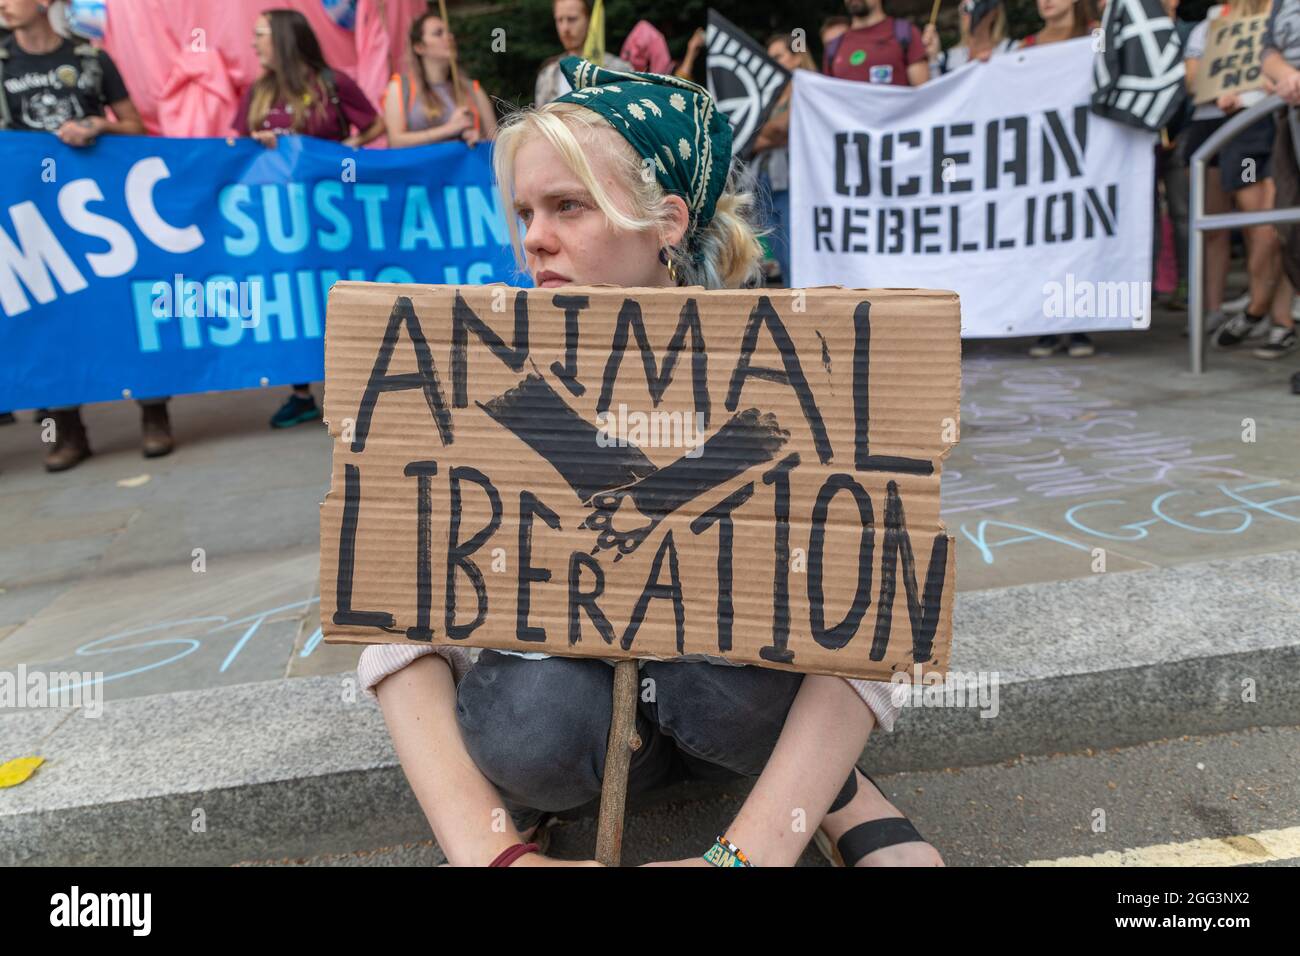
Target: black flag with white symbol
column 1137, row 75
column 743, row 80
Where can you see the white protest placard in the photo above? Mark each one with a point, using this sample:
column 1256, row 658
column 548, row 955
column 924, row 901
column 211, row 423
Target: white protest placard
column 995, row 181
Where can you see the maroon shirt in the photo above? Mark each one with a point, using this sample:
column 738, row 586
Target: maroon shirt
column 874, row 55
column 322, row 122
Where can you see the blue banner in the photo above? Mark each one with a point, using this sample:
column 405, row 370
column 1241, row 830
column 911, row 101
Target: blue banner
column 142, row 266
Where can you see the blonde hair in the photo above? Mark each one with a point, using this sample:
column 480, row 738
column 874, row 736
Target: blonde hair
column 728, row 251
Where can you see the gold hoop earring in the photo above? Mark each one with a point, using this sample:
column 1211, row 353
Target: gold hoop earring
column 667, row 260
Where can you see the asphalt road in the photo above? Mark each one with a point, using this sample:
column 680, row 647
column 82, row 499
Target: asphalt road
column 1227, row 799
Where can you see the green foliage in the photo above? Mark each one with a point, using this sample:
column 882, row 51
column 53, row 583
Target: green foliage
column 530, row 32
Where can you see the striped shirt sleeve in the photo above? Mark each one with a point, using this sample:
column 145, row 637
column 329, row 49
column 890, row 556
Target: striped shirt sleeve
column 380, row 660
column 880, row 699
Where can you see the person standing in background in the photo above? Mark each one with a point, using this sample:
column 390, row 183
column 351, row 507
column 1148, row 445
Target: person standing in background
column 298, row 94
column 1279, row 60
column 420, row 105
column 832, row 29
column 772, row 155
column 1244, row 180
column 572, row 20
column 983, row 26
column 1173, row 173
column 1062, row 20
column 877, row 48
column 66, row 87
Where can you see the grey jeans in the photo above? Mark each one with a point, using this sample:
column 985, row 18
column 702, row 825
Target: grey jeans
column 538, row 729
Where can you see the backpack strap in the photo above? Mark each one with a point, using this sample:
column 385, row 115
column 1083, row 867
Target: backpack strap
column 903, row 34
column 828, row 55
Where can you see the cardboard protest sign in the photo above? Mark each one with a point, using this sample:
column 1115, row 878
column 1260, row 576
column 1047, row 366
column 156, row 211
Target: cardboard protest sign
column 1231, row 62
column 615, row 473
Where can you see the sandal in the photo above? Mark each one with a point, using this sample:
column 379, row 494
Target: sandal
column 542, row 832
column 864, row 838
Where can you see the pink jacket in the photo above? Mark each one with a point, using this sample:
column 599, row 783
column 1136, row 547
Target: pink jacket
column 187, row 62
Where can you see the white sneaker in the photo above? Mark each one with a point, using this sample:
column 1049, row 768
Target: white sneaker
column 1214, row 320
column 1238, row 304
column 1238, row 329
column 1211, row 323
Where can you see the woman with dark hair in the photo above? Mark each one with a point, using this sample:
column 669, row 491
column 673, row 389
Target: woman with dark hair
column 298, row 93
column 421, row 106
column 1062, row 20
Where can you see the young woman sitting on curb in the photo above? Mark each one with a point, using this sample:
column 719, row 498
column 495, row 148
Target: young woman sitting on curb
column 527, row 733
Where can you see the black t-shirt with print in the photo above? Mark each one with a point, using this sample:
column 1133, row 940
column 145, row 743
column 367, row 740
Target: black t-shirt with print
column 45, row 90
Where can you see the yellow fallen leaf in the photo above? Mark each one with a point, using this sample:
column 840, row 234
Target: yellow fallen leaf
column 135, row 482
column 19, row 769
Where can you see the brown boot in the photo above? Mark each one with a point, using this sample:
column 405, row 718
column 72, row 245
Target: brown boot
column 71, row 446
column 156, row 429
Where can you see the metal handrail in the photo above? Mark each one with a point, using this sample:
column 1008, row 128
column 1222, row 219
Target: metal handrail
column 1199, row 222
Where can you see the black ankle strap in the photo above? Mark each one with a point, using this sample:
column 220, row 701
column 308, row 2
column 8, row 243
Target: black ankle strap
column 847, row 792
column 876, row 835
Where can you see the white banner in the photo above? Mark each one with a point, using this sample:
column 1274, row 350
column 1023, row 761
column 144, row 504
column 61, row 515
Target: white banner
column 994, row 181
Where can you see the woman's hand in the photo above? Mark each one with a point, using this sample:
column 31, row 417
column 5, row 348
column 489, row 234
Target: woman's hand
column 1289, row 87
column 266, row 137
column 472, row 137
column 80, row 132
column 696, row 42
column 689, row 861
column 1229, row 102
column 462, row 118
column 930, row 37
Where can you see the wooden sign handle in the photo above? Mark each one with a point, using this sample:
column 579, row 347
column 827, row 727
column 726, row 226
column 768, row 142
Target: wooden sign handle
column 623, row 741
column 455, row 79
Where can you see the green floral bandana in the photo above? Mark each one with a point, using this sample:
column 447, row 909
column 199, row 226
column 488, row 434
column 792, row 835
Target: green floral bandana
column 666, row 119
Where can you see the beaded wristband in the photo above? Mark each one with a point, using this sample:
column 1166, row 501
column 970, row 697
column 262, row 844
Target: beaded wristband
column 725, row 853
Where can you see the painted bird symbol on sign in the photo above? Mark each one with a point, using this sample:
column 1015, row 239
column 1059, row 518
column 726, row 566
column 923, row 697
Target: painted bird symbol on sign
column 605, row 476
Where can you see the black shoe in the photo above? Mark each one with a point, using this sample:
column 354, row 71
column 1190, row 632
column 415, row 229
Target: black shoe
column 71, row 446
column 1080, row 346
column 1239, row 328
column 155, row 431
column 1280, row 341
column 295, row 411
column 1045, row 346
column 7, row 418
